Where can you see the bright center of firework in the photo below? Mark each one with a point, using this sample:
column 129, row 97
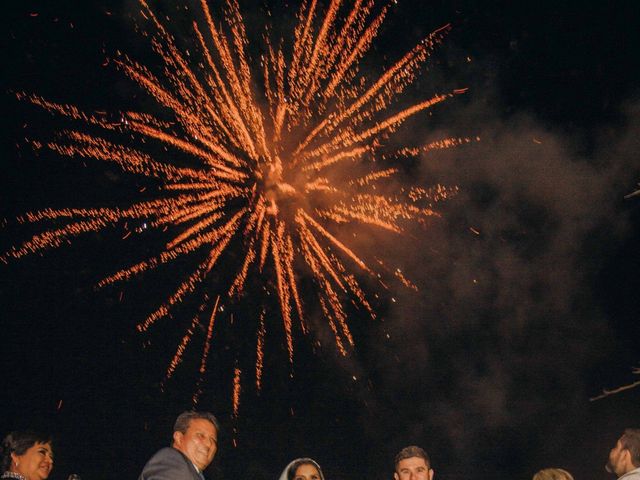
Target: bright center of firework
column 275, row 189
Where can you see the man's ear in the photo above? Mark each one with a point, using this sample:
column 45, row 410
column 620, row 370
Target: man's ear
column 396, row 476
column 177, row 438
column 431, row 473
column 626, row 460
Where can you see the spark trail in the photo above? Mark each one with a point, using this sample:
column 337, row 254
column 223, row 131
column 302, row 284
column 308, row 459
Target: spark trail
column 281, row 153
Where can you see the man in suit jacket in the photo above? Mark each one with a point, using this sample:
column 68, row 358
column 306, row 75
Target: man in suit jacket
column 195, row 442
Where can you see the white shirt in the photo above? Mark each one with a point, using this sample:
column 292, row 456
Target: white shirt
column 632, row 475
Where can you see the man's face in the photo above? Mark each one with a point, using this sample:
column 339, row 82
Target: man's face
column 414, row 468
column 199, row 443
column 618, row 460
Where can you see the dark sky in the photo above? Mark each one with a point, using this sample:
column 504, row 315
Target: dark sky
column 528, row 302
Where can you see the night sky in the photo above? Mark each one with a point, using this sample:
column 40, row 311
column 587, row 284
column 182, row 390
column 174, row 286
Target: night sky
column 528, row 298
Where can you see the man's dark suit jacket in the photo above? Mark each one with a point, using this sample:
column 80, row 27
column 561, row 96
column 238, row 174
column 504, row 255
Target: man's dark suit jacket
column 169, row 464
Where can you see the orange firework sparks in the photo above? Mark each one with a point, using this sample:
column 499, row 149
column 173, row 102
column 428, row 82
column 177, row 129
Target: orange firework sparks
column 236, row 391
column 276, row 155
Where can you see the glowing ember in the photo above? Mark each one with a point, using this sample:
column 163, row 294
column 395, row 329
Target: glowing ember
column 236, row 391
column 275, row 168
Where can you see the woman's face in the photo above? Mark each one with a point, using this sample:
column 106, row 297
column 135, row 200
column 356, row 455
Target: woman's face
column 36, row 463
column 307, row 471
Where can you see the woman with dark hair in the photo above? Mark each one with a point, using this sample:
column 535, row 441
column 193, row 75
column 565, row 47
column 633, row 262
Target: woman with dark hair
column 302, row 469
column 26, row 456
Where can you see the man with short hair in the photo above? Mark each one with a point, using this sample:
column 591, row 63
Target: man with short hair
column 412, row 463
column 195, row 442
column 624, row 458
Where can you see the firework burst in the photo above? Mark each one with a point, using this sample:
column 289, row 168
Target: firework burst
column 282, row 150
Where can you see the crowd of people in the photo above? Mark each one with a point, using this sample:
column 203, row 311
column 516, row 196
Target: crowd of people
column 29, row 456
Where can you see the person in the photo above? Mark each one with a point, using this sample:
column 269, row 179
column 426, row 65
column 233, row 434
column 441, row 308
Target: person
column 302, row 469
column 624, row 458
column 26, row 456
column 553, row 474
column 412, row 463
column 195, row 442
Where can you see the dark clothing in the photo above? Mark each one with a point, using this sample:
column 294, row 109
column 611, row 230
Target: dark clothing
column 169, row 464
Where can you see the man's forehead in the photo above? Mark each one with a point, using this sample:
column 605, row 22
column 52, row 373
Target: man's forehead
column 201, row 424
column 412, row 462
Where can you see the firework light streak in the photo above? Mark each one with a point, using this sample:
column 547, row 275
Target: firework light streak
column 282, row 152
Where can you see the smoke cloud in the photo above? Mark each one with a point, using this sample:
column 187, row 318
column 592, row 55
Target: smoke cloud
column 497, row 345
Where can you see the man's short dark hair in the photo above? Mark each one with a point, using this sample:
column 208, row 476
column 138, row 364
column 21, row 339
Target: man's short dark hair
column 410, row 452
column 630, row 440
column 184, row 419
